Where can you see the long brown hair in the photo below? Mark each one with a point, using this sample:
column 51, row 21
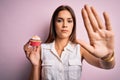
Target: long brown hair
column 52, row 32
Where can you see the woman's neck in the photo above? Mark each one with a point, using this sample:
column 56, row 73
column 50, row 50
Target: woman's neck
column 60, row 44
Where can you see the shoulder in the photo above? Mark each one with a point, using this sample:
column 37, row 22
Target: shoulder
column 77, row 47
column 74, row 45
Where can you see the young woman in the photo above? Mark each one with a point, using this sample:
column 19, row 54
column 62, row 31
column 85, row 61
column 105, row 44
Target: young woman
column 60, row 57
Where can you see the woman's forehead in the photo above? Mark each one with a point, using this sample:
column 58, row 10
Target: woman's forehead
column 64, row 14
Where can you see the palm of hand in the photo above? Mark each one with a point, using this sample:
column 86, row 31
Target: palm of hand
column 102, row 42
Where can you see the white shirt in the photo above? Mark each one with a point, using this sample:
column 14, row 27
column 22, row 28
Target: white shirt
column 66, row 67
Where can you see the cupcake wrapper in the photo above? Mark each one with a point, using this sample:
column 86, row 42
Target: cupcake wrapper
column 35, row 43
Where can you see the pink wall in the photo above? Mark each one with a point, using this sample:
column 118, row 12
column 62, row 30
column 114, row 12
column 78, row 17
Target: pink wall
column 21, row 19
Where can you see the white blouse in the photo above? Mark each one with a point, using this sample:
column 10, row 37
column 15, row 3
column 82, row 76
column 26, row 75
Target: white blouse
column 66, row 67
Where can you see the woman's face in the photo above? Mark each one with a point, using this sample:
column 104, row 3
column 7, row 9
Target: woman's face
column 64, row 24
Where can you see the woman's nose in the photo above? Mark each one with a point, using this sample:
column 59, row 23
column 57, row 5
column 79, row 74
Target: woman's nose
column 65, row 24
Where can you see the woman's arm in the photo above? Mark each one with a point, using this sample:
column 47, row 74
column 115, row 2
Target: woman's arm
column 91, row 59
column 35, row 73
column 33, row 55
column 108, row 61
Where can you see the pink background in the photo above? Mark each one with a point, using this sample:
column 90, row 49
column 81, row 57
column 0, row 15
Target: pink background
column 21, row 19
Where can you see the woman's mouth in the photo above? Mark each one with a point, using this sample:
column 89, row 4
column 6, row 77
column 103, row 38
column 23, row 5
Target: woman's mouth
column 64, row 31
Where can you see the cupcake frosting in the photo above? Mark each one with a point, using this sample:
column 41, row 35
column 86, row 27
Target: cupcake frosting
column 35, row 37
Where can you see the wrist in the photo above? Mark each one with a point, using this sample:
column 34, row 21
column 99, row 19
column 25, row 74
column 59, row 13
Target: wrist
column 36, row 66
column 108, row 58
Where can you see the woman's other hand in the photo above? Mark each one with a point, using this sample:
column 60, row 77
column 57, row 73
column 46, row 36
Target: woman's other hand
column 32, row 53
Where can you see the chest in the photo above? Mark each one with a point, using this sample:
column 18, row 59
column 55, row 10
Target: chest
column 66, row 67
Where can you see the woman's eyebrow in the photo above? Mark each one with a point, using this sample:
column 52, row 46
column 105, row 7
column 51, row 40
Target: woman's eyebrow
column 59, row 18
column 62, row 18
column 69, row 18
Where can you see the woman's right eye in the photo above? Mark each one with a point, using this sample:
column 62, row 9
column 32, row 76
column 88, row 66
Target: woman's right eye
column 59, row 20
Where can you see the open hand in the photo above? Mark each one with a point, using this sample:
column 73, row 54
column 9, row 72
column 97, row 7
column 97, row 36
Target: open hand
column 100, row 35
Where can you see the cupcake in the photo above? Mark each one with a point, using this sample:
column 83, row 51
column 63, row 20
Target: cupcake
column 35, row 41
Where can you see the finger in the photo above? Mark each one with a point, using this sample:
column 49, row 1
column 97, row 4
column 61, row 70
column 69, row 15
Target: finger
column 38, row 48
column 107, row 21
column 91, row 18
column 25, row 46
column 28, row 49
column 34, row 48
column 28, row 54
column 87, row 23
column 99, row 20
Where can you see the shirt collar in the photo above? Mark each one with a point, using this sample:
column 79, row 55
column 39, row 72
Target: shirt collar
column 69, row 47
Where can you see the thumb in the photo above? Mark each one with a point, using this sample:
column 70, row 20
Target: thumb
column 86, row 46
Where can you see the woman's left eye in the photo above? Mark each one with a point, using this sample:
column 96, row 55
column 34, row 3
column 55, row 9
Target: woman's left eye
column 70, row 21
